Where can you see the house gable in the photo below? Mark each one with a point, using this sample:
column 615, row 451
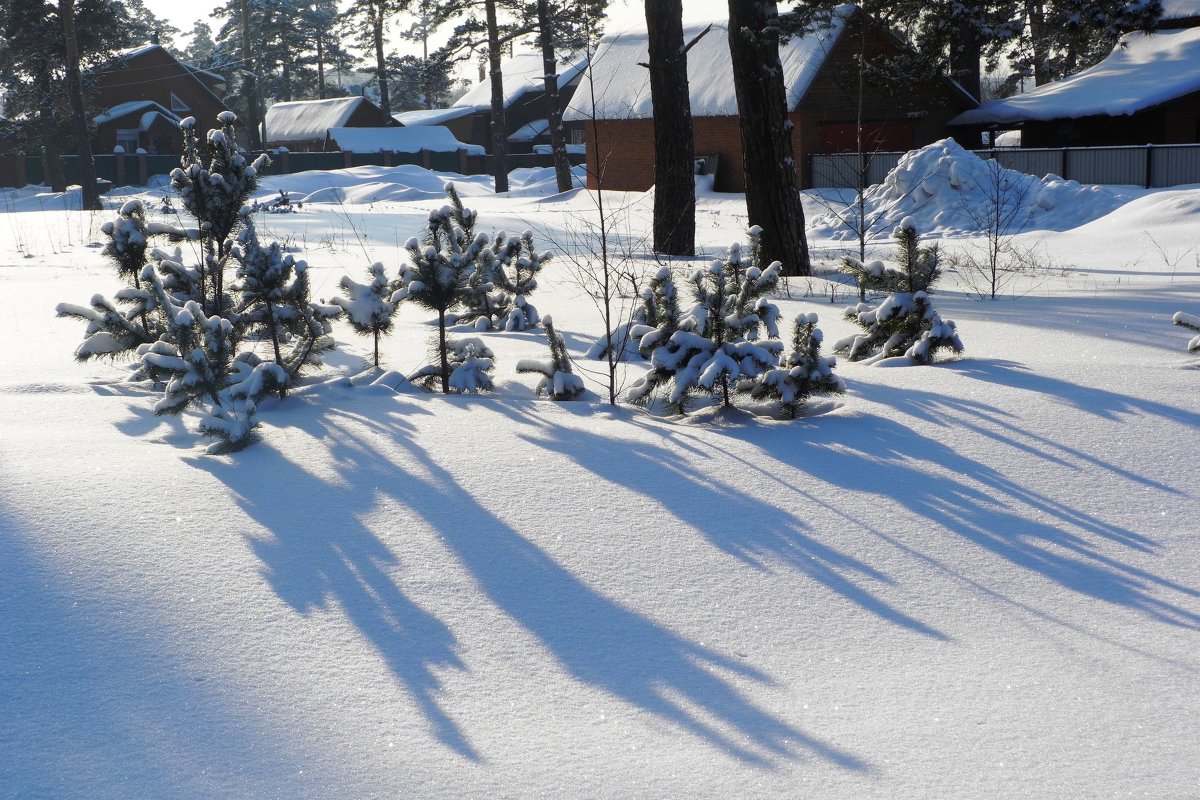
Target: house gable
column 151, row 73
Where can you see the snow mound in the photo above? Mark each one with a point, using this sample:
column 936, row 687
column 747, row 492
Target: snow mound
column 950, row 191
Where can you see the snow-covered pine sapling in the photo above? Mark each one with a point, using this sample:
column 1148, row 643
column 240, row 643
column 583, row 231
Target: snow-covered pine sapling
column 199, row 354
column 1192, row 322
column 483, row 301
column 801, row 373
column 717, row 344
column 437, row 277
column 470, row 362
column 866, row 274
column 274, row 302
column 368, row 306
column 659, row 314
column 113, row 332
column 905, row 322
column 519, row 279
column 558, row 381
column 214, row 195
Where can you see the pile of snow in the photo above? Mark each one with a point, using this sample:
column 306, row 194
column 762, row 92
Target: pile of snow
column 400, row 140
column 950, row 191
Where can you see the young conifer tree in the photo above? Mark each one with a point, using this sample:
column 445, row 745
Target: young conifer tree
column 438, row 277
column 519, row 279
column 558, row 381
column 717, row 344
column 368, row 306
column 1192, row 322
column 905, row 322
column 801, row 373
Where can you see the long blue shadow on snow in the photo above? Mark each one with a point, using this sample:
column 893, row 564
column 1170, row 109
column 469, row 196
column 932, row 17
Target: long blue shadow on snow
column 333, row 556
column 94, row 704
column 758, row 533
column 597, row 640
column 874, row 455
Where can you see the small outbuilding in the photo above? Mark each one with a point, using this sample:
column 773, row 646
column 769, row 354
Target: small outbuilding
column 304, row 125
column 526, row 109
column 821, row 81
column 1147, row 91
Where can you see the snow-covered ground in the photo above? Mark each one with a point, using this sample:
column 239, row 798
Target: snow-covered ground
column 978, row 579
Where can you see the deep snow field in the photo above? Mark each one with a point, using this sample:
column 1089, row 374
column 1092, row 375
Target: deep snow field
column 979, row 579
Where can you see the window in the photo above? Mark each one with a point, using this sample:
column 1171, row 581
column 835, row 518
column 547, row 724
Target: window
column 128, row 140
column 178, row 106
column 576, row 136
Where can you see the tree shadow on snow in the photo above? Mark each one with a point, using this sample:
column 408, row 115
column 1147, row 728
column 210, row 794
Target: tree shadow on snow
column 333, row 557
column 758, row 533
column 874, row 455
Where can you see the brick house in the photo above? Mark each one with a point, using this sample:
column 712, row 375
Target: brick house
column 526, row 114
column 1147, row 91
column 304, row 125
column 144, row 92
column 821, row 81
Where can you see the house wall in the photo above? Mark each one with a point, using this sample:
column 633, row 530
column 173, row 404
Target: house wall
column 1175, row 122
column 163, row 138
column 154, row 75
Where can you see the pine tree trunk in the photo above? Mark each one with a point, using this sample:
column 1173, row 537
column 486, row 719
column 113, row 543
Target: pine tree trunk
column 87, row 167
column 442, row 352
column 499, row 126
column 558, row 144
column 52, row 171
column 385, row 103
column 964, row 59
column 769, row 164
column 674, row 166
column 250, row 79
column 1035, row 13
column 320, row 67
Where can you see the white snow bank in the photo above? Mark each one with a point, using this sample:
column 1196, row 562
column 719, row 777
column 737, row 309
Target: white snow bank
column 304, row 120
column 948, row 191
column 623, row 85
column 1143, row 70
column 400, row 140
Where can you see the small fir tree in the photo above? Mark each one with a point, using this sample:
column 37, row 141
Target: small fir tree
column 470, row 363
column 440, row 271
column 658, row 317
column 905, row 322
column 801, row 373
column 521, row 282
column 717, row 344
column 368, row 306
column 558, row 381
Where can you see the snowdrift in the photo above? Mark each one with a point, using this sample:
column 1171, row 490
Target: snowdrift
column 950, row 191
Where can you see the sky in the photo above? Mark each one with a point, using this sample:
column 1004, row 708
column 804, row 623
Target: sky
column 622, row 13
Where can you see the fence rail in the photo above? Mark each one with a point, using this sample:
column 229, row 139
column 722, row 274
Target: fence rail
column 137, row 169
column 1151, row 165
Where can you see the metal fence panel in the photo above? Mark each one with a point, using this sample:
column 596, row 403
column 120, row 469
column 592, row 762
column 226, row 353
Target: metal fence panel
column 1107, row 165
column 1032, row 162
column 303, row 162
column 1174, row 166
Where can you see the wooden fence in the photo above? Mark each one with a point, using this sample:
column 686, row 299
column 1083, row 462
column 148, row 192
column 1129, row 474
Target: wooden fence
column 137, row 169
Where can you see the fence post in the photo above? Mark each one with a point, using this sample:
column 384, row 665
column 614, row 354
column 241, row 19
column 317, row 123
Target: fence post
column 285, row 163
column 1149, row 165
column 462, row 161
column 22, row 171
column 1062, row 157
column 426, row 158
column 142, row 169
column 119, row 160
column 387, row 158
column 347, row 159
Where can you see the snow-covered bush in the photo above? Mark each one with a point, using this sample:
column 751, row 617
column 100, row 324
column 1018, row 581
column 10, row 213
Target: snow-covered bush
column 368, row 306
column 716, row 345
column 189, row 329
column 558, row 381
column 905, row 322
column 468, row 364
column 802, row 372
column 1192, row 322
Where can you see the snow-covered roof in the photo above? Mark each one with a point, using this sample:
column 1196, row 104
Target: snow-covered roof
column 308, row 120
column 622, row 85
column 529, row 132
column 433, row 116
column 1180, row 9
column 1143, row 70
column 522, row 73
column 149, row 108
column 400, row 140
